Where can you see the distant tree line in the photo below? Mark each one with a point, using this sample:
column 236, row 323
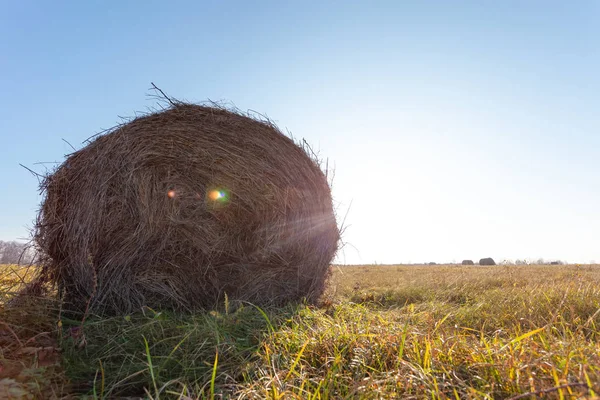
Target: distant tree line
column 490, row 261
column 16, row 253
column 539, row 261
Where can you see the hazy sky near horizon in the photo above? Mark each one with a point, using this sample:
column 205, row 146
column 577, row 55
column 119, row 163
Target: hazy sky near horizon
column 457, row 129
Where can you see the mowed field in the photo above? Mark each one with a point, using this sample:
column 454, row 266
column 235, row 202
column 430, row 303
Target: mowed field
column 406, row 332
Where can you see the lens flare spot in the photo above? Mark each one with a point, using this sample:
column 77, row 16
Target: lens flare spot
column 171, row 194
column 216, row 195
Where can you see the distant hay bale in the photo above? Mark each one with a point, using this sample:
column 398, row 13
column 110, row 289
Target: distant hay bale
column 181, row 207
column 468, row 262
column 487, row 261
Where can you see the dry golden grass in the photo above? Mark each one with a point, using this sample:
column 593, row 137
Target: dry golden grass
column 385, row 332
column 12, row 278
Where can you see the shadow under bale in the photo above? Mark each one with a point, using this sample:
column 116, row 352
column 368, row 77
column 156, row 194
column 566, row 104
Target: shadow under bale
column 180, row 207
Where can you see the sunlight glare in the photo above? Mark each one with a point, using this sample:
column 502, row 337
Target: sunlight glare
column 216, row 195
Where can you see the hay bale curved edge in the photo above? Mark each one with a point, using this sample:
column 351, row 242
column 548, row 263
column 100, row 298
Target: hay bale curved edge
column 180, row 207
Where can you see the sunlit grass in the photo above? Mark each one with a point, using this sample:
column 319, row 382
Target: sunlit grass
column 382, row 332
column 12, row 278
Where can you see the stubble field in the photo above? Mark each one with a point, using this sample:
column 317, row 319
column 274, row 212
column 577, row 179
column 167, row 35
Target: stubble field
column 381, row 332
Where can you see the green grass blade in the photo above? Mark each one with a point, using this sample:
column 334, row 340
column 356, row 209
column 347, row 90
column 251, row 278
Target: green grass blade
column 150, row 366
column 297, row 360
column 265, row 316
column 523, row 337
column 214, row 376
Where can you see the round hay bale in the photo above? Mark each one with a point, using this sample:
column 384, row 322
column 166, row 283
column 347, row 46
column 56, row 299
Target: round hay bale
column 487, row 261
column 181, row 207
column 467, row 262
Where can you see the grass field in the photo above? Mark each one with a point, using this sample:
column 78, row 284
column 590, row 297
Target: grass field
column 383, row 332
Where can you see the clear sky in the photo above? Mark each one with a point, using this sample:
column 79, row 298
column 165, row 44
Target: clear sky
column 460, row 129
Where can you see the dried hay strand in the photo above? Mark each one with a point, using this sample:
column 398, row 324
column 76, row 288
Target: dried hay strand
column 178, row 208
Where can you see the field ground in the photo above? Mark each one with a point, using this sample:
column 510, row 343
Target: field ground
column 383, row 332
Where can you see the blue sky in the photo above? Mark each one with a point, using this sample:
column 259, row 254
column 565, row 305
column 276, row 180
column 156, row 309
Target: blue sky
column 458, row 129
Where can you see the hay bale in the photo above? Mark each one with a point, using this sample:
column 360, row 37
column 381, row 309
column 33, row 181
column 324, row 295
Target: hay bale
column 180, row 207
column 468, row 262
column 487, row 261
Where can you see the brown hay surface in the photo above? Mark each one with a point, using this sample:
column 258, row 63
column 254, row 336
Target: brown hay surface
column 131, row 219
